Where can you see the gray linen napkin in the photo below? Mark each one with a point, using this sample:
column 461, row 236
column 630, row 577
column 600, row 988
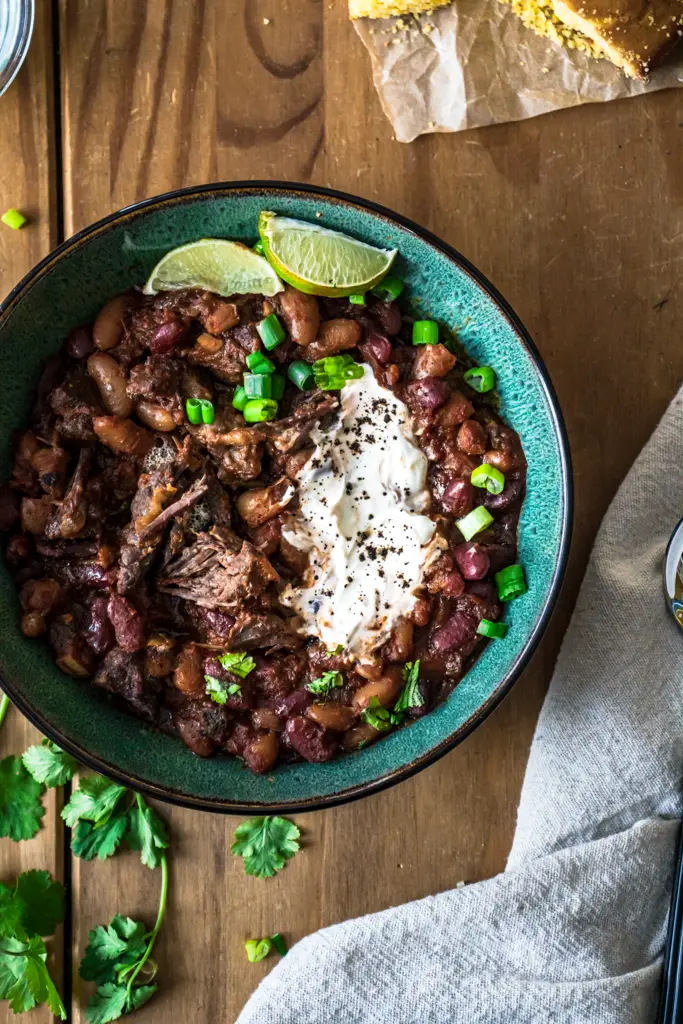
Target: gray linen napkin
column 574, row 929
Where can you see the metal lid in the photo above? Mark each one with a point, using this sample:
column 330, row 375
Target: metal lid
column 16, row 28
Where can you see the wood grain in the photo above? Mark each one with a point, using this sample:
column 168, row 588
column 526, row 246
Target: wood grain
column 577, row 217
column 28, row 183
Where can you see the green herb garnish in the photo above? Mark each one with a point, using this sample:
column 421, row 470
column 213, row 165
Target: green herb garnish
column 379, row 717
column 410, row 696
column 103, row 814
column 218, row 690
column 327, row 682
column 266, row 844
column 241, row 664
column 49, row 764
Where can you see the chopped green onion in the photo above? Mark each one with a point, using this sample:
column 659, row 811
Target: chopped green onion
column 489, row 477
column 335, row 650
column 239, row 663
column 327, row 682
column 389, row 288
column 425, row 332
column 259, row 248
column 258, row 363
column 279, row 943
column 332, row 372
column 497, row 630
column 13, row 219
column 477, row 520
column 258, row 410
column 239, row 399
column 193, row 408
column 410, row 696
column 257, row 949
column 271, row 331
column 481, row 379
column 207, row 410
column 357, row 300
column 510, row 582
column 301, row 374
column 278, row 387
column 258, row 385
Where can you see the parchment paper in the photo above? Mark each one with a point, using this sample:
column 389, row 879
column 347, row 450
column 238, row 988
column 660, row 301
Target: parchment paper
column 480, row 65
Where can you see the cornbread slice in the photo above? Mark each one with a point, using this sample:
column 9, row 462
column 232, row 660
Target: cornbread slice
column 540, row 17
column 636, row 35
column 389, row 8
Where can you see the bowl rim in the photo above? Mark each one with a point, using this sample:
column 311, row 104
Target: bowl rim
column 405, row 771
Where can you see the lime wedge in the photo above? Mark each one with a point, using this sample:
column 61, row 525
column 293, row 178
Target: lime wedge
column 216, row 265
column 319, row 261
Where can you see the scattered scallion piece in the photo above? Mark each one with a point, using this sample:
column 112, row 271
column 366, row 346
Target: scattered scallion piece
column 476, row 521
column 357, row 300
column 238, row 662
column 425, row 332
column 278, row 386
column 240, row 398
column 257, row 949
column 279, row 943
column 510, row 582
column 271, row 331
column 332, row 372
column 193, row 408
column 258, row 385
column 13, row 219
column 301, row 374
column 258, row 363
column 335, row 650
column 207, row 410
column 496, row 630
column 389, row 288
column 480, row 378
column 489, row 477
column 258, row 410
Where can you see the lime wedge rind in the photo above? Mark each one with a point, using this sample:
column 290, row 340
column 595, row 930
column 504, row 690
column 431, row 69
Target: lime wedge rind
column 320, row 261
column 216, row 265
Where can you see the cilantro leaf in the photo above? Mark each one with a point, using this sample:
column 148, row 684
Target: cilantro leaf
column 107, row 1004
column 24, row 977
column 94, row 800
column 121, row 944
column 410, row 696
column 378, row 717
column 266, row 844
column 20, row 806
column 216, row 689
column 140, row 995
column 89, row 841
column 10, row 912
column 239, row 663
column 146, row 833
column 327, row 681
column 41, row 900
column 49, row 764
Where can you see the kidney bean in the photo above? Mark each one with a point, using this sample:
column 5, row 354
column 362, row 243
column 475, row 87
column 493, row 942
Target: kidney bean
column 510, row 494
column 500, row 555
column 377, row 347
column 472, row 438
column 332, row 715
column 99, row 632
column 155, row 417
column 33, row 624
column 456, row 411
column 333, row 336
column 429, row 393
column 386, row 689
column 210, row 344
column 263, row 718
column 108, row 326
column 458, row 630
column 192, row 736
column 261, row 754
column 111, row 383
column 266, row 537
column 503, row 460
column 295, row 703
column 453, row 584
column 472, row 560
column 128, row 623
column 122, row 435
column 433, row 361
column 35, row 513
column 310, row 741
column 458, row 498
column 358, row 737
column 483, row 589
column 301, row 315
column 166, row 337
column 160, row 656
column 388, row 315
column 79, row 344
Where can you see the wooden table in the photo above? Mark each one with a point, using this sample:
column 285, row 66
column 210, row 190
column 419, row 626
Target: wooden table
column 578, row 219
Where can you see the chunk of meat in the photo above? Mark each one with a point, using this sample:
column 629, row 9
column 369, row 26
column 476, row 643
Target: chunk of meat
column 9, row 509
column 267, row 631
column 154, row 491
column 128, row 623
column 334, row 336
column 70, row 514
column 158, row 380
column 35, row 513
column 72, row 655
column 211, row 574
column 50, row 465
column 472, row 438
column 228, row 363
column 121, row 673
column 433, row 361
column 300, row 313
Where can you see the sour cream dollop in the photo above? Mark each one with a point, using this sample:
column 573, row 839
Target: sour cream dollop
column 362, row 498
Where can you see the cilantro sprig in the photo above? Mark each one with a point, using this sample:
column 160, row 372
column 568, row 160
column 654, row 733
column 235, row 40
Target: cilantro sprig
column 266, row 844
column 104, row 814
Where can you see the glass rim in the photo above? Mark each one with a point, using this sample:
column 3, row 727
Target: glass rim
column 16, row 29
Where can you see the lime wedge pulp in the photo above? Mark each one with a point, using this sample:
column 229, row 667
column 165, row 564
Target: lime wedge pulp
column 216, row 265
column 319, row 261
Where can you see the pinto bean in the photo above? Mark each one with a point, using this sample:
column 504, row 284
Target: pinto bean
column 261, row 754
column 371, row 668
column 433, row 361
column 358, row 737
column 160, row 656
column 210, row 344
column 301, row 315
column 40, row 595
column 386, row 689
column 33, row 624
column 334, row 336
column 35, row 513
column 332, row 715
column 192, row 736
column 155, row 417
column 400, row 646
column 111, row 383
column 502, row 460
column 472, row 438
column 260, row 505
column 263, row 718
column 420, row 613
column 108, row 326
column 189, row 672
column 122, row 435
column 456, row 410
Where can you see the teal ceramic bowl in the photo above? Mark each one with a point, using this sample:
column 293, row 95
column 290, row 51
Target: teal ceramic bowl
column 69, row 287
